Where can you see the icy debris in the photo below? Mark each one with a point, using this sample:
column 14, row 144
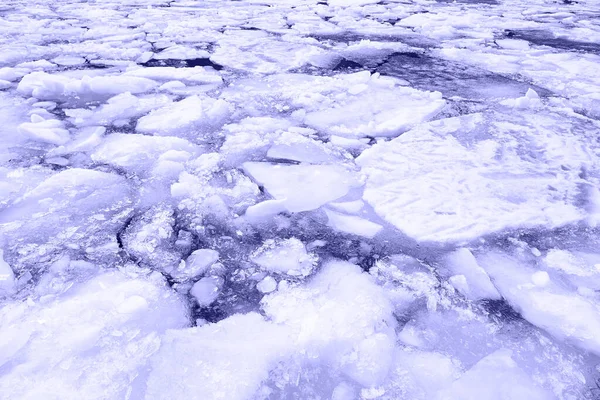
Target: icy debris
column 78, row 208
column 495, row 377
column 112, row 322
column 468, row 277
column 186, row 117
column 343, row 391
column 405, row 280
column 352, row 224
column 197, row 192
column 461, row 178
column 206, row 290
column 195, row 265
column 544, row 302
column 149, row 239
column 16, row 182
column 286, row 257
column 303, row 187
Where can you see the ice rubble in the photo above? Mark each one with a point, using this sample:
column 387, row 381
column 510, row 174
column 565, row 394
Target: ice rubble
column 264, row 199
column 94, row 339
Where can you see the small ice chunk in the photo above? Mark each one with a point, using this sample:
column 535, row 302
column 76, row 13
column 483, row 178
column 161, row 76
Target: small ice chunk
column 296, row 147
column 286, row 257
column 352, row 224
column 568, row 263
column 12, row 74
column 265, row 210
column 76, row 205
column 303, row 187
column 206, row 290
column 540, row 278
column 475, row 283
column 530, row 100
column 350, row 207
column 196, row 264
column 513, row 44
column 68, row 60
column 267, row 285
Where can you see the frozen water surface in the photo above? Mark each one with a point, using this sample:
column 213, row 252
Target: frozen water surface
column 300, row 199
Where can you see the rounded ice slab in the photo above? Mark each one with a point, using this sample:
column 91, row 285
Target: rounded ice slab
column 461, row 178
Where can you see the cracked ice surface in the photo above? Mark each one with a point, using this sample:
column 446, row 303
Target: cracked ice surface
column 277, row 199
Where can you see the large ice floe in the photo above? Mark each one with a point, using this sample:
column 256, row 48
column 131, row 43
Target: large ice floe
column 300, row 199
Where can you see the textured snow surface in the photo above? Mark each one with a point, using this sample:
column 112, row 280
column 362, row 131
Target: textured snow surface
column 300, row 199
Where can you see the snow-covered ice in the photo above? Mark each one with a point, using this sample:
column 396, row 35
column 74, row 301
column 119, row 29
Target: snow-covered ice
column 300, row 199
